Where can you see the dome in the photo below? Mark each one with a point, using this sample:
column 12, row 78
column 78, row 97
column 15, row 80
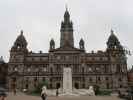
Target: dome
column 113, row 40
column 21, row 41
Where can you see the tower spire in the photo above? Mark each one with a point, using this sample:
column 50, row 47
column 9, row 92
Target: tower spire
column 21, row 32
column 66, row 7
column 66, row 31
column 66, row 16
column 112, row 31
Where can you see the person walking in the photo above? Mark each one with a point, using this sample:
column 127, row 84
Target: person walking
column 57, row 92
column 14, row 91
column 43, row 93
column 44, row 96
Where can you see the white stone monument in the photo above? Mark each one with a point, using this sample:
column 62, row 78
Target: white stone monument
column 67, row 80
column 67, row 86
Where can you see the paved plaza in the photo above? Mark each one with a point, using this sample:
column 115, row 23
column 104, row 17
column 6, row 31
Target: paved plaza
column 21, row 96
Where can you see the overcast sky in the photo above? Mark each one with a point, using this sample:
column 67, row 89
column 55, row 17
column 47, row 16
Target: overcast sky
column 40, row 20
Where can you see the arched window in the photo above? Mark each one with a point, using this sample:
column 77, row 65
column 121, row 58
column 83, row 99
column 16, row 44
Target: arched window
column 58, row 68
column 89, row 69
column 107, row 78
column 106, row 69
column 51, row 70
column 35, row 79
column 120, row 79
column 76, row 68
column 90, row 79
column 118, row 69
column 28, row 69
column 121, row 86
column 27, row 85
column 99, row 79
column 13, row 84
column 82, row 69
column 15, row 68
column 44, row 69
column 50, row 79
column 107, row 85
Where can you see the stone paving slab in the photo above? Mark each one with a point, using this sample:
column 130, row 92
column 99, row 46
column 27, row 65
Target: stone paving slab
column 27, row 97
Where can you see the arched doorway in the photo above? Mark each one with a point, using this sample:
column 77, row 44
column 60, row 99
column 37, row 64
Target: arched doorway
column 57, row 85
column 27, row 86
column 107, row 85
column 76, row 85
column 13, row 83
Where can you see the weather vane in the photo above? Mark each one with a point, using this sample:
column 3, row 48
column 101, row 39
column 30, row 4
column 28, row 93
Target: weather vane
column 66, row 4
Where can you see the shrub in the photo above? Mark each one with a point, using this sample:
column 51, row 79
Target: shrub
column 96, row 89
column 104, row 92
column 99, row 91
column 38, row 89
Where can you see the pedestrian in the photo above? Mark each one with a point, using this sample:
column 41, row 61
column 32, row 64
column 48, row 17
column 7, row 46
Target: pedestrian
column 44, row 93
column 57, row 93
column 14, row 91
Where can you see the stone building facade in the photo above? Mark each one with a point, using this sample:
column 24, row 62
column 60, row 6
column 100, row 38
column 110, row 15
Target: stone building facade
column 108, row 68
column 3, row 73
column 130, row 77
